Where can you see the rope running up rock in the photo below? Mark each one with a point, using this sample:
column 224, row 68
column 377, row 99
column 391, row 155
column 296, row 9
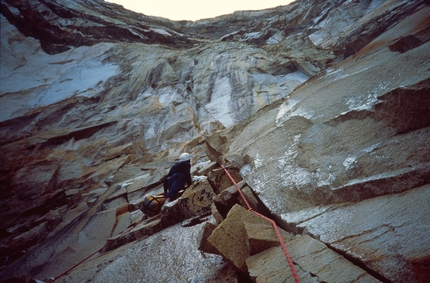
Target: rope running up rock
column 281, row 241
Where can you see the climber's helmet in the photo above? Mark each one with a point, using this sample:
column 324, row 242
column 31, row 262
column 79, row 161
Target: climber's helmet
column 184, row 157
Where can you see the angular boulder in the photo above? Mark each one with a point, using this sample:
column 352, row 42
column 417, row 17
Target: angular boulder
column 260, row 237
column 229, row 238
column 204, row 244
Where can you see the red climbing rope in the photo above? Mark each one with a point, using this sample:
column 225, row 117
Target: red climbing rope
column 107, row 244
column 281, row 241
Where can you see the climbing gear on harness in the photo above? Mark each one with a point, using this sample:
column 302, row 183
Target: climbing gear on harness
column 152, row 205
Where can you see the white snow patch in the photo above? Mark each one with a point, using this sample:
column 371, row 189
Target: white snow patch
column 266, row 78
column 367, row 101
column 168, row 95
column 304, row 215
column 219, row 106
column 229, row 34
column 293, row 176
column 14, row 11
column 83, row 80
column 161, row 31
column 325, row 178
column 296, row 76
column 276, row 38
column 376, row 177
column 245, row 170
column 373, row 5
column 349, row 162
column 258, row 161
column 252, row 35
column 31, row 78
column 345, row 75
column 285, row 111
column 150, row 133
column 316, row 20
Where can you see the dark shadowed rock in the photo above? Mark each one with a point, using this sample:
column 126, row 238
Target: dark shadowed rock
column 220, row 181
column 204, row 244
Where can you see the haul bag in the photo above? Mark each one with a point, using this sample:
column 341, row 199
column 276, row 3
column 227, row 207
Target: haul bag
column 152, row 204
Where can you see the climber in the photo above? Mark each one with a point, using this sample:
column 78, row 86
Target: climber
column 178, row 176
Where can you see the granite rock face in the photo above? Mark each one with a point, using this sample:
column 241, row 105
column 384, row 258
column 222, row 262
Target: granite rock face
column 322, row 107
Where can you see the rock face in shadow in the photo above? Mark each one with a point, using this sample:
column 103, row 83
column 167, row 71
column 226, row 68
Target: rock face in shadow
column 320, row 109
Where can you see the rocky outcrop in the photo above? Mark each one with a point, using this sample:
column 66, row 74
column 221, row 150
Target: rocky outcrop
column 311, row 159
column 321, row 107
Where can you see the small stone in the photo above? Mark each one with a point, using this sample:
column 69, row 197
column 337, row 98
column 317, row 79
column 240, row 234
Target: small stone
column 204, row 244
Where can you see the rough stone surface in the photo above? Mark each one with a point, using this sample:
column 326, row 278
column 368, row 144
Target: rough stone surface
column 260, row 237
column 380, row 233
column 174, row 249
column 229, row 238
column 204, row 169
column 252, row 201
column 204, row 244
column 323, row 106
column 216, row 214
column 313, row 261
column 226, row 199
column 220, row 181
column 196, row 200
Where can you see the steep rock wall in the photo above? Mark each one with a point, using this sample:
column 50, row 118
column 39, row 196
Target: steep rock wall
column 94, row 96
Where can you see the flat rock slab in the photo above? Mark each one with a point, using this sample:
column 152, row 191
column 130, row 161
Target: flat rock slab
column 314, row 262
column 168, row 256
column 388, row 234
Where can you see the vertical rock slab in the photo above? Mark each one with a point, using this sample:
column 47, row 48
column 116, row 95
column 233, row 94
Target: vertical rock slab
column 225, row 200
column 198, row 197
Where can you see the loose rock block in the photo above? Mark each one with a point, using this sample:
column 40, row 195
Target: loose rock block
column 204, row 244
column 229, row 238
column 220, row 181
column 260, row 237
